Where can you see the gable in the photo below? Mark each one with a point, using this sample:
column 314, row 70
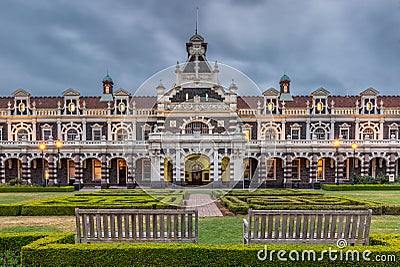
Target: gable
column 70, row 92
column 320, row 92
column 21, row 93
column 271, row 92
column 370, row 92
column 121, row 92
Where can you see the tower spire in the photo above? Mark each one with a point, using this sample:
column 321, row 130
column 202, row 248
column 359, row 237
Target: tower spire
column 197, row 19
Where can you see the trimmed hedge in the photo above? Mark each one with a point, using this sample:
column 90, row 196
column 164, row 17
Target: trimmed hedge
column 133, row 192
column 266, row 192
column 65, row 205
column 15, row 241
column 60, row 251
column 378, row 187
column 22, row 189
column 240, row 204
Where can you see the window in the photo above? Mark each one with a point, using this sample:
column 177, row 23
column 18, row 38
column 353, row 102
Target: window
column 271, row 169
column 96, row 134
column 72, row 134
column 122, row 135
column 22, row 135
column 321, row 169
column 146, row 169
column 46, row 134
column 393, row 132
column 196, row 126
column 96, row 169
column 368, row 133
column 320, row 134
column 344, row 133
column 295, row 134
column 320, row 106
column 296, row 169
column 270, row 134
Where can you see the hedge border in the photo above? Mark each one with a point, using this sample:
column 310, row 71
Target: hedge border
column 360, row 187
column 23, row 189
column 53, row 251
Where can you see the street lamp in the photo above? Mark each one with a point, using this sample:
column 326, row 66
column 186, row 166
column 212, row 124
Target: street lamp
column 58, row 146
column 42, row 147
column 336, row 143
column 354, row 146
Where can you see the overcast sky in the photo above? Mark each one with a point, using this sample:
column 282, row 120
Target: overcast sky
column 344, row 46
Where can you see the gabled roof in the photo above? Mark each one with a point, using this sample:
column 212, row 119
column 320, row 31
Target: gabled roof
column 271, row 92
column 370, row 92
column 320, row 92
column 121, row 92
column 70, row 92
column 21, row 93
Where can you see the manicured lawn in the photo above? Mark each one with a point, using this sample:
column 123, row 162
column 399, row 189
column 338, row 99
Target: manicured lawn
column 390, row 197
column 8, row 198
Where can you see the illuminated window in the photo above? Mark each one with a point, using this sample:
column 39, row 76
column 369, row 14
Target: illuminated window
column 121, row 107
column 320, row 106
column 321, row 169
column 96, row 169
column 271, row 106
column 21, row 107
column 369, row 106
column 71, row 107
column 247, row 133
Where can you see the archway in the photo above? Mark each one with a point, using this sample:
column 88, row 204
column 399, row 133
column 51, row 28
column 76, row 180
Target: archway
column 377, row 167
column 300, row 170
column 92, row 171
column 197, row 169
column 66, row 171
column 250, row 166
column 352, row 167
column 326, row 170
column 12, row 168
column 118, row 172
column 143, row 171
column 168, row 170
column 274, row 172
column 225, row 170
column 39, row 171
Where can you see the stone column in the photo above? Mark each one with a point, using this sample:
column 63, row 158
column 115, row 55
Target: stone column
column 24, row 167
column 313, row 168
column 287, row 171
column 365, row 166
column 391, row 167
column 104, row 172
column 340, row 164
column 130, row 184
column 78, row 168
column 51, row 170
column 2, row 171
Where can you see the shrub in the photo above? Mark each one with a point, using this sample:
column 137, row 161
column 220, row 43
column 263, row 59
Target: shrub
column 53, row 251
column 346, row 187
column 15, row 181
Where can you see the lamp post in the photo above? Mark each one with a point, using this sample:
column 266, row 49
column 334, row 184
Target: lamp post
column 42, row 147
column 354, row 146
column 336, row 143
column 58, row 146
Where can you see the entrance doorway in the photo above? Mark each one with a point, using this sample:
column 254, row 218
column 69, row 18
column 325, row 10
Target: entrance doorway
column 197, row 170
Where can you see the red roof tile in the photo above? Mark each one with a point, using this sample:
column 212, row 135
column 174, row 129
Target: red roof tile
column 245, row 102
column 144, row 101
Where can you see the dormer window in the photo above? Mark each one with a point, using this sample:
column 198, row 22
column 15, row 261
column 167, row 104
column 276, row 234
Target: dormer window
column 271, row 106
column 121, row 107
column 320, row 106
column 21, row 107
column 71, row 107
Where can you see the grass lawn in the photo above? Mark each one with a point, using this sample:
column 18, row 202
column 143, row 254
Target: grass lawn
column 8, row 198
column 390, row 197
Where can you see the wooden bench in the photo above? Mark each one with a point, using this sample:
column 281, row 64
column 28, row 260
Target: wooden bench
column 136, row 225
column 307, row 226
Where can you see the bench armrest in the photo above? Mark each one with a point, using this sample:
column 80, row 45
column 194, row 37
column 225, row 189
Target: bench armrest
column 245, row 224
column 245, row 231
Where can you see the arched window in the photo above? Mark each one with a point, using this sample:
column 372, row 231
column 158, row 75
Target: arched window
column 22, row 134
column 368, row 133
column 320, row 134
column 122, row 134
column 72, row 134
column 196, row 127
column 270, row 134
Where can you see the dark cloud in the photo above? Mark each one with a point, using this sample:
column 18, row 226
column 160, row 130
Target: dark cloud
column 343, row 46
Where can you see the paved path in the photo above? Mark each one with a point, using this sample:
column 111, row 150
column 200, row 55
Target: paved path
column 204, row 204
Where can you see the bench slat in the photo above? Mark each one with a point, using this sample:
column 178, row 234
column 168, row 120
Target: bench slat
column 333, row 227
column 270, row 221
column 340, row 227
column 305, row 226
column 284, row 226
column 277, row 226
column 291, row 226
column 319, row 226
column 312, row 226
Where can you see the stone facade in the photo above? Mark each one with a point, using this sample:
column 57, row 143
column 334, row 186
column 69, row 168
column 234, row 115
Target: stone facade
column 198, row 133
